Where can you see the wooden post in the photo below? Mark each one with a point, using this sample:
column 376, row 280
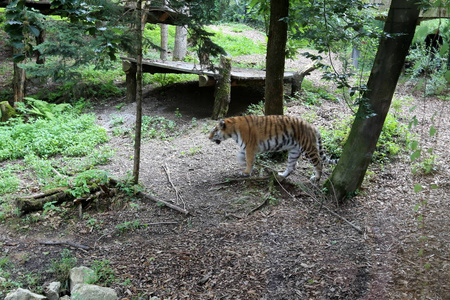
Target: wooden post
column 297, row 80
column 130, row 70
column 222, row 94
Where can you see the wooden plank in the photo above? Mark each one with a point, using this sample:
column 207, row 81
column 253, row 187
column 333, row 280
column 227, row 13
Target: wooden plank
column 177, row 67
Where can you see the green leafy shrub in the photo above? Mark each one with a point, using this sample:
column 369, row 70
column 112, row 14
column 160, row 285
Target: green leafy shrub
column 67, row 134
column 393, row 138
column 104, row 274
column 9, row 183
column 158, row 127
column 62, row 267
column 83, row 181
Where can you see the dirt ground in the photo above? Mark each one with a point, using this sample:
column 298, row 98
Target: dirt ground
column 254, row 238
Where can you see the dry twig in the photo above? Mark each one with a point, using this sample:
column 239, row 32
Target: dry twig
column 177, row 193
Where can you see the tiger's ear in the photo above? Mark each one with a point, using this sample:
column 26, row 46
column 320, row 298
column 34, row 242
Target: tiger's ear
column 222, row 124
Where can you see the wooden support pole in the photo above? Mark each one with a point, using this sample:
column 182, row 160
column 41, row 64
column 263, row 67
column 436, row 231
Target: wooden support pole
column 297, row 80
column 130, row 70
column 222, row 95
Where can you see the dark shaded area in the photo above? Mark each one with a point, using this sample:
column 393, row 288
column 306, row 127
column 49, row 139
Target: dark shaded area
column 194, row 101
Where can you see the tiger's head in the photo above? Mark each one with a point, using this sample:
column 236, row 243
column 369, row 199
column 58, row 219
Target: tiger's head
column 218, row 133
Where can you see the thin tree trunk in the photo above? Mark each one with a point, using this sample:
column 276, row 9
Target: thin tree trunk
column 180, row 47
column 222, row 95
column 164, row 40
column 348, row 175
column 164, row 37
column 276, row 48
column 141, row 18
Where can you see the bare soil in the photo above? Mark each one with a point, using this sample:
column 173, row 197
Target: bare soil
column 233, row 247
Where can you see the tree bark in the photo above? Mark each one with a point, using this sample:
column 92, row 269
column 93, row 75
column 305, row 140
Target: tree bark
column 223, row 89
column 18, row 84
column 141, row 19
column 276, row 49
column 164, row 41
column 180, row 47
column 130, row 70
column 348, row 175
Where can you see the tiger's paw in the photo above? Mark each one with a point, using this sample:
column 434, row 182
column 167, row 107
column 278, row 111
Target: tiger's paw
column 314, row 179
column 243, row 174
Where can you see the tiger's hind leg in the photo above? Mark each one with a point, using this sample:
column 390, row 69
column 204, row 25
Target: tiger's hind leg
column 318, row 165
column 293, row 156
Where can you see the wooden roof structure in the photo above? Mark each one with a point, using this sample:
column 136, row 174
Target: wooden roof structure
column 429, row 14
column 155, row 15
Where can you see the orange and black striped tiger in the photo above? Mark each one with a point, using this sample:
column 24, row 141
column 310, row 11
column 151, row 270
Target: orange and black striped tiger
column 256, row 134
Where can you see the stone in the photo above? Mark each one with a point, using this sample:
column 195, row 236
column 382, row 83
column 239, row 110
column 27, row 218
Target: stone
column 80, row 275
column 52, row 290
column 84, row 291
column 22, row 294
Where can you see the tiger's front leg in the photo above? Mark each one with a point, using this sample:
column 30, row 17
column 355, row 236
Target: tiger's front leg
column 241, row 157
column 249, row 158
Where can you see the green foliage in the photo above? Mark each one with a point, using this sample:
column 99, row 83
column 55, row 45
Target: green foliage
column 67, row 134
column 167, row 79
column 104, row 274
column 129, row 226
column 9, row 183
column 237, row 44
column 62, row 267
column 393, row 138
column 83, row 181
column 256, row 109
column 22, row 26
column 43, row 109
column 158, row 128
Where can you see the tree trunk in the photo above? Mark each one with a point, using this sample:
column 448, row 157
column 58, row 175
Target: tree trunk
column 180, row 47
column 18, row 84
column 223, row 89
column 141, row 18
column 164, row 37
column 276, row 49
column 348, row 175
column 164, row 40
column 130, row 77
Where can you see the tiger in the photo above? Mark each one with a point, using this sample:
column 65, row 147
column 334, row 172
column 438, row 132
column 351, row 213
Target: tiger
column 255, row 134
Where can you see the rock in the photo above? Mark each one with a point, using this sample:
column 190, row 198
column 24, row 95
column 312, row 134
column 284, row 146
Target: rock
column 84, row 291
column 80, row 275
column 64, row 298
column 52, row 290
column 22, row 294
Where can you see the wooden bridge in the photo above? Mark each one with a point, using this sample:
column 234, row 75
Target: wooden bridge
column 206, row 76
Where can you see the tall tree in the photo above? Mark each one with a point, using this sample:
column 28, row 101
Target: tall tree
column 276, row 49
column 399, row 30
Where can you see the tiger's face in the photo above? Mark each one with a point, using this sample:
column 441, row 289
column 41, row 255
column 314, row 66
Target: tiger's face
column 218, row 134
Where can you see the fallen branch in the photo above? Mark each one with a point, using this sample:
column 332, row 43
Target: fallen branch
column 266, row 199
column 74, row 245
column 357, row 228
column 240, row 179
column 36, row 202
column 151, row 198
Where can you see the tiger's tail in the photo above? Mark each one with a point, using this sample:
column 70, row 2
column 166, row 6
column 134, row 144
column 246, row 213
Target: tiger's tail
column 323, row 156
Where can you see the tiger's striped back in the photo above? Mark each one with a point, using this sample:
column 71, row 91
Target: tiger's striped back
column 273, row 133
